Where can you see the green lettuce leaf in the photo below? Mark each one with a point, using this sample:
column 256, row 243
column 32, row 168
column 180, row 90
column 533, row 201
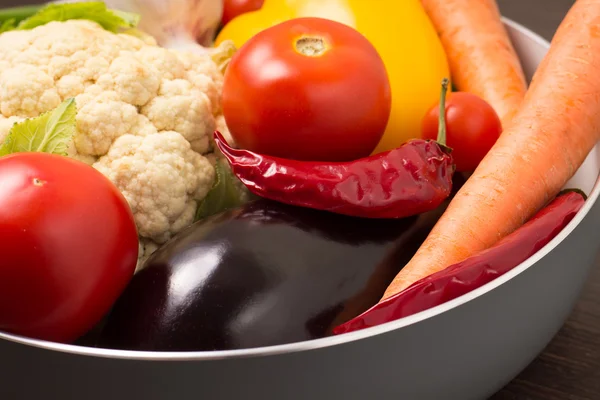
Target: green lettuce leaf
column 51, row 132
column 8, row 25
column 111, row 20
column 11, row 16
column 227, row 193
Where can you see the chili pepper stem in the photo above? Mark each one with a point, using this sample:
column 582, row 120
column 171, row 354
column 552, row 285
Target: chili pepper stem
column 441, row 139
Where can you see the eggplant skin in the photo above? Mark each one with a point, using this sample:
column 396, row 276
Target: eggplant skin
column 262, row 275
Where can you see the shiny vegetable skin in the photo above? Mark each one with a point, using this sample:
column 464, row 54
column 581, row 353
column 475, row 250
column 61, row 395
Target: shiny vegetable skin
column 472, row 128
column 543, row 146
column 308, row 89
column 410, row 180
column 265, row 274
column 475, row 271
column 401, row 32
column 69, row 246
column 235, row 8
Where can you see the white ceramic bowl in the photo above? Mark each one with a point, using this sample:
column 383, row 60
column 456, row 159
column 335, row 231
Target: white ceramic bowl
column 465, row 349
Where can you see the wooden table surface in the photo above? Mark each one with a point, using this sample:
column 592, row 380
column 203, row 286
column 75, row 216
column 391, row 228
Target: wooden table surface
column 569, row 368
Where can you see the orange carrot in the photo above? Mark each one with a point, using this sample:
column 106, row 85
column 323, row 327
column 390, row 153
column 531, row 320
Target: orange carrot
column 554, row 130
column 481, row 56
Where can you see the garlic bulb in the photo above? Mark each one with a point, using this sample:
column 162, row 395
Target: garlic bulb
column 175, row 24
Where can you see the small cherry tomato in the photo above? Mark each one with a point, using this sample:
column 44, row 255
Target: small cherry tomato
column 307, row 89
column 68, row 245
column 472, row 128
column 234, row 8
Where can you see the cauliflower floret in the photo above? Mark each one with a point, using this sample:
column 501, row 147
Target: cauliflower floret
column 208, row 86
column 94, row 68
column 162, row 178
column 6, row 124
column 135, row 82
column 200, row 64
column 27, row 91
column 4, row 65
column 90, row 93
column 60, row 66
column 72, row 153
column 82, row 34
column 14, row 43
column 70, row 86
column 145, row 114
column 182, row 108
column 165, row 62
column 105, row 118
column 204, row 74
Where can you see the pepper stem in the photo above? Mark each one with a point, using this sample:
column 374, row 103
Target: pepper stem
column 441, row 139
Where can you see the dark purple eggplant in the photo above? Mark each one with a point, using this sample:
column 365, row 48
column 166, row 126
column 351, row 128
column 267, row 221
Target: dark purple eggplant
column 264, row 274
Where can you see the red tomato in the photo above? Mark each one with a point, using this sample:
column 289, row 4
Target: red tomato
column 472, row 128
column 68, row 246
column 307, row 89
column 233, row 8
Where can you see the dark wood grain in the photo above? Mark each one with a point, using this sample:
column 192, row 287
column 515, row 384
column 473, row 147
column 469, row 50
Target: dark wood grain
column 569, row 368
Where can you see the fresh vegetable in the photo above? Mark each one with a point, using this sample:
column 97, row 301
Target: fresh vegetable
column 400, row 31
column 556, row 127
column 69, row 246
column 145, row 114
column 51, row 132
column 10, row 17
column 472, row 128
column 307, row 89
column 180, row 25
column 235, row 8
column 481, row 56
column 111, row 20
column 18, row 13
column 227, row 193
column 184, row 25
column 261, row 275
column 415, row 178
column 475, row 271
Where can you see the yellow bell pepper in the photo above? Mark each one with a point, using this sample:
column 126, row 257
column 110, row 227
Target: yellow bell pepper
column 400, row 31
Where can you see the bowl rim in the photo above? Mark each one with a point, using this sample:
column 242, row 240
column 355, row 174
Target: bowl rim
column 332, row 340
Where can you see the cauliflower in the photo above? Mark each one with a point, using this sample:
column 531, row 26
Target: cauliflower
column 161, row 177
column 145, row 113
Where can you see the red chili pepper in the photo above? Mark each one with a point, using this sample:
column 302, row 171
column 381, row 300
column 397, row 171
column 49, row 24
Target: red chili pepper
column 410, row 180
column 475, row 271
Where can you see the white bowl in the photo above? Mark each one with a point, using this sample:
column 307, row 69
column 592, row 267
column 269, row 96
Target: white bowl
column 465, row 349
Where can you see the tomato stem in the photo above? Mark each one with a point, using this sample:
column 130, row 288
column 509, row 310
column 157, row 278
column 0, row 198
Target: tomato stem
column 310, row 46
column 441, row 139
